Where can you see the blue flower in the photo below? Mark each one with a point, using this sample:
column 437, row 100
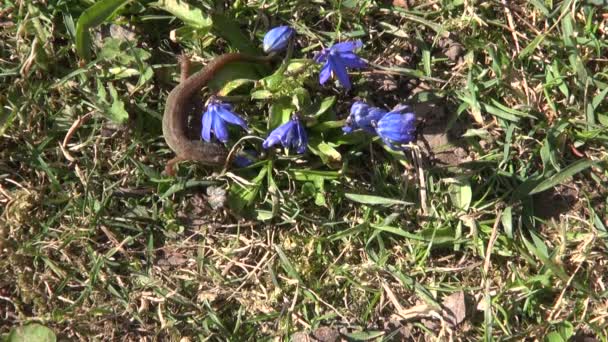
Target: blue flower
column 276, row 39
column 364, row 117
column 215, row 119
column 397, row 127
column 291, row 134
column 337, row 58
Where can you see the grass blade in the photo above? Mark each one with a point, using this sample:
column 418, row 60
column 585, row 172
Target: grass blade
column 377, row 200
column 561, row 177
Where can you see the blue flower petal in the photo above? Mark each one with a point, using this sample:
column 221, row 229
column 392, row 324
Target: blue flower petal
column 230, row 117
column 363, row 116
column 277, row 39
column 352, row 61
column 359, row 108
column 301, row 141
column 242, row 161
column 290, row 135
column 398, row 128
column 206, row 127
column 325, row 73
column 215, row 119
column 220, row 129
column 321, row 57
column 339, row 70
column 347, row 46
column 278, row 135
column 370, row 121
column 245, row 158
column 339, row 57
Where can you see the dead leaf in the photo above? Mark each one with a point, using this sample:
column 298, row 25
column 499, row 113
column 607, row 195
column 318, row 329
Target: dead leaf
column 454, row 308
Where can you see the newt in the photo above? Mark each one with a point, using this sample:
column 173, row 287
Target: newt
column 177, row 107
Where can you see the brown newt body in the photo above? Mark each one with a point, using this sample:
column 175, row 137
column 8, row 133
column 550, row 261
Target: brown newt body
column 175, row 118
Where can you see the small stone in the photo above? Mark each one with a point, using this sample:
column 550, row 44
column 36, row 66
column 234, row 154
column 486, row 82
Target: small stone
column 217, row 197
column 300, row 336
column 326, row 334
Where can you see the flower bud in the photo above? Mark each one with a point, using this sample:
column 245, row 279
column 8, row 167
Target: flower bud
column 277, row 39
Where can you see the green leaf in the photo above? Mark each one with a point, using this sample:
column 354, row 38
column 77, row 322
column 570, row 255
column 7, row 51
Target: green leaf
column 507, row 221
column 6, row 118
column 602, row 118
column 540, row 250
column 241, row 196
column 375, row 200
column 394, row 30
column 599, row 98
column 548, row 155
column 440, row 29
column 364, row 335
column 183, row 185
column 261, row 95
column 274, row 82
column 590, row 113
column 510, row 110
column 229, row 30
column 264, row 215
column 287, row 265
column 500, row 113
column 562, row 176
column 236, row 71
column 461, row 194
column 540, row 6
column 327, row 153
column 117, row 112
column 327, row 103
column 31, row 332
column 190, row 15
column 311, row 175
column 91, row 17
column 601, row 3
column 554, row 337
column 426, row 61
column 280, row 112
column 231, row 86
column 300, row 98
column 328, row 125
column 531, row 47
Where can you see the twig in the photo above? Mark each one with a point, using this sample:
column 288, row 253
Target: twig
column 511, row 24
column 420, row 173
column 79, row 122
column 493, row 236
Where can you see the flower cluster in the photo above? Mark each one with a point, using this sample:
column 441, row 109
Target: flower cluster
column 395, row 127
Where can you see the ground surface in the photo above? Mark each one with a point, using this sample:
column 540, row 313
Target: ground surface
column 505, row 237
